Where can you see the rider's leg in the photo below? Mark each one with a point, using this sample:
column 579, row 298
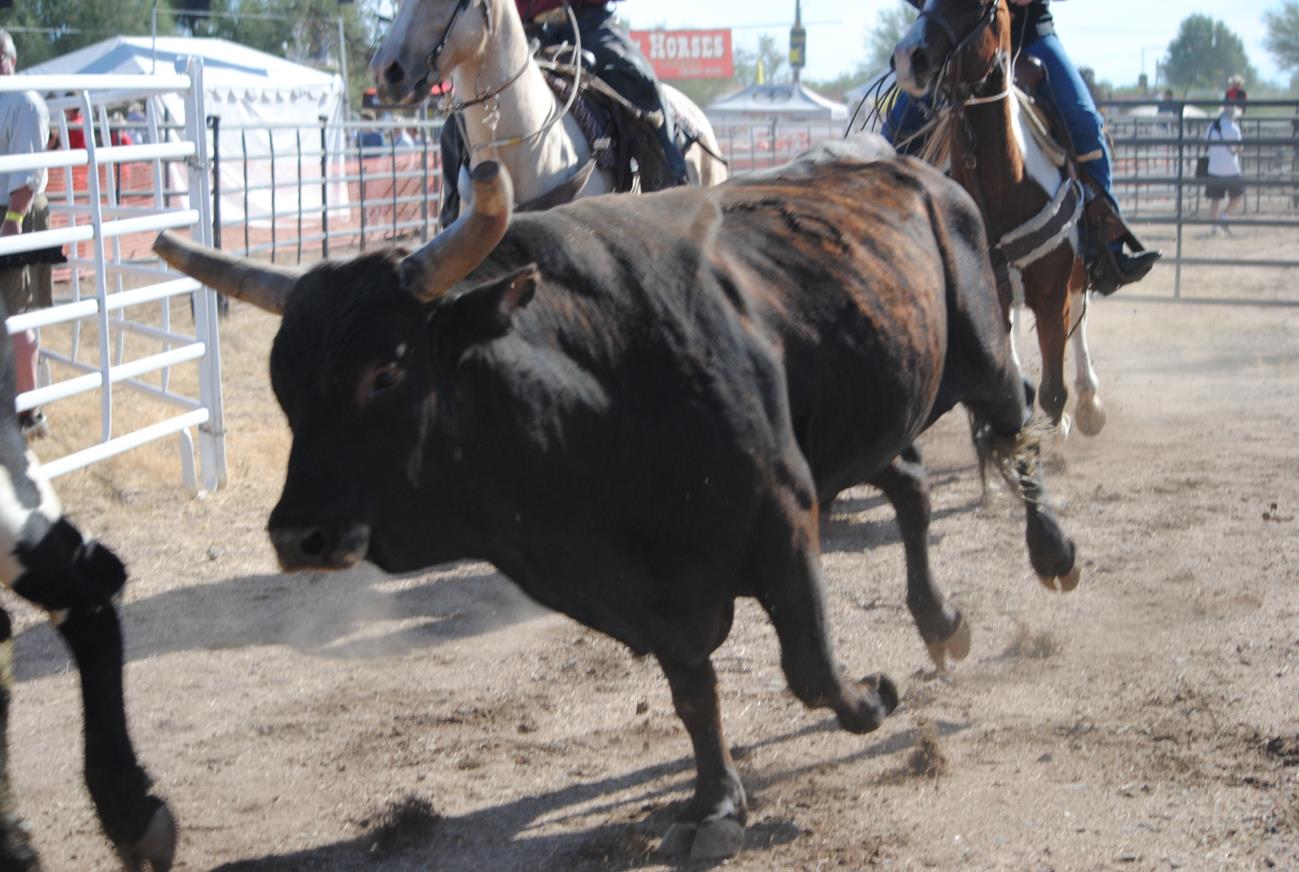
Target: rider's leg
column 1069, row 93
column 452, row 156
column 624, row 68
column 903, row 120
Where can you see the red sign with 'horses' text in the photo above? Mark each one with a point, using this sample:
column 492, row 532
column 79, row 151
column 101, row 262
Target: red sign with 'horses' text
column 687, row 54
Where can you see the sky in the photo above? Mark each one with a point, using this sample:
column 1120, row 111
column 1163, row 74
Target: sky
column 1114, row 37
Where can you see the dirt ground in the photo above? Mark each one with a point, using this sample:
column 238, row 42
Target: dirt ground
column 439, row 721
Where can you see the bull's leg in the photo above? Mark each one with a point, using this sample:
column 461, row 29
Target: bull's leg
column 712, row 825
column 1088, row 411
column 941, row 626
column 75, row 581
column 1016, row 450
column 16, row 851
column 789, row 588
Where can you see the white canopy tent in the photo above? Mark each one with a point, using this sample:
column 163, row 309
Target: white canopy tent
column 786, row 102
column 265, row 103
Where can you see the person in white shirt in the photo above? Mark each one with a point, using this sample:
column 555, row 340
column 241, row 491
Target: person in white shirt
column 1224, row 145
column 24, row 129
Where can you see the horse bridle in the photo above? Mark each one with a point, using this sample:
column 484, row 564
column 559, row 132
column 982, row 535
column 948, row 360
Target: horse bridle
column 491, row 94
column 431, row 62
column 959, row 44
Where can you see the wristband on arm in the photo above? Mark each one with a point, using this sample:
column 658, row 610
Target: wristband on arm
column 16, row 217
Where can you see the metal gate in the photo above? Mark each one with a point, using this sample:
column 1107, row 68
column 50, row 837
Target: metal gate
column 112, row 282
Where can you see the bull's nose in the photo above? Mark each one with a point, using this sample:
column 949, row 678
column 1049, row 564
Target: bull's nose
column 311, row 547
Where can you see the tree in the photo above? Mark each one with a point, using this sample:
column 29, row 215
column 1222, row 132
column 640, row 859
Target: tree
column 1205, row 54
column 769, row 56
column 304, row 31
column 1283, row 35
column 43, row 29
column 890, row 26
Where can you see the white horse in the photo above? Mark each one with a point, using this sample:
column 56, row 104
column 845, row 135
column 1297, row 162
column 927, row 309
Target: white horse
column 511, row 114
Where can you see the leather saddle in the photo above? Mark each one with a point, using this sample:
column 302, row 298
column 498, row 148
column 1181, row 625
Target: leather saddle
column 1102, row 222
column 624, row 138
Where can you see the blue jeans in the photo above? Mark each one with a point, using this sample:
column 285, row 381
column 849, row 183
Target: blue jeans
column 1064, row 89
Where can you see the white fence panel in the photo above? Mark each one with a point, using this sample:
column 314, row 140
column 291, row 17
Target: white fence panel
column 89, row 218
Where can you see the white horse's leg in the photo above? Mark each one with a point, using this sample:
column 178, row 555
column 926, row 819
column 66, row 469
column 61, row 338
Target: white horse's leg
column 1088, row 411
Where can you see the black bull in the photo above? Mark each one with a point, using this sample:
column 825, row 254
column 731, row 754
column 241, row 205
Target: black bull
column 634, row 407
column 45, row 560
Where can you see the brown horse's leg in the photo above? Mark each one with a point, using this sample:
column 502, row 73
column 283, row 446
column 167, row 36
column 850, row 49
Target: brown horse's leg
column 1052, row 317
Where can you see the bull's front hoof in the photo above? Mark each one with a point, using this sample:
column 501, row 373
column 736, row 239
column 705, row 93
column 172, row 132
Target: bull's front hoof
column 956, row 646
column 156, row 849
column 1090, row 414
column 714, row 839
column 875, row 699
column 1063, row 583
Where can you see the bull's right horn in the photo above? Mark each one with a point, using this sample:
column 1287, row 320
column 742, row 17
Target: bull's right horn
column 266, row 287
column 457, row 251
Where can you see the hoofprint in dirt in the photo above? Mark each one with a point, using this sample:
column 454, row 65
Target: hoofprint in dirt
column 1146, row 721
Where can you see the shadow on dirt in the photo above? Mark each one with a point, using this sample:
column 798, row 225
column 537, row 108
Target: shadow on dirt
column 499, row 837
column 356, row 614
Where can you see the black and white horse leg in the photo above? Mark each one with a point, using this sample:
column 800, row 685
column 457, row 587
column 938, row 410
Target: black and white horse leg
column 16, row 850
column 944, row 631
column 138, row 823
column 76, row 582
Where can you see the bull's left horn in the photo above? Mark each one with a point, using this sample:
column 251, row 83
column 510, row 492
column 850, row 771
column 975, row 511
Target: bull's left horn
column 457, row 251
column 266, row 287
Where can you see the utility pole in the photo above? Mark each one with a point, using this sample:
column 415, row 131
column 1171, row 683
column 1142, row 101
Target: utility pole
column 342, row 66
column 797, row 43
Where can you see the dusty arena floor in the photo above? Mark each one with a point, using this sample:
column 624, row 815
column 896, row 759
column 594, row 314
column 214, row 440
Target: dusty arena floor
column 1150, row 720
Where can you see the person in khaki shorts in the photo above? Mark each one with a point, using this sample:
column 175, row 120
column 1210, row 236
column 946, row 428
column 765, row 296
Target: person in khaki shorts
column 24, row 129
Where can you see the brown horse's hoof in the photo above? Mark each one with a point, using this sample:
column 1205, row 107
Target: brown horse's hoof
column 1090, row 414
column 956, row 646
column 156, row 849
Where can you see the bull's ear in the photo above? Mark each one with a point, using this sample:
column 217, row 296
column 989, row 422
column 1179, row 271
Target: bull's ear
column 482, row 313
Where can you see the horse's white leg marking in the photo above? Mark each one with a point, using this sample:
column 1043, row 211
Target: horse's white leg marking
column 1089, row 412
column 1016, row 313
column 28, row 508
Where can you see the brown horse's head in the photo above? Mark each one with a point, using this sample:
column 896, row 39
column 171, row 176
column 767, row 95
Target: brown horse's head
column 954, row 44
column 427, row 40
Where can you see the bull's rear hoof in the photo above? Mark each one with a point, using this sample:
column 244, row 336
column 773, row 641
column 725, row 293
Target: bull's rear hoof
column 1063, row 583
column 156, row 849
column 714, row 839
column 956, row 646
column 1089, row 414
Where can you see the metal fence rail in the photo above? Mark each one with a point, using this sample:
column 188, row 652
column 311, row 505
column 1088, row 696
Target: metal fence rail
column 344, row 185
column 1154, row 174
column 377, row 193
column 87, row 215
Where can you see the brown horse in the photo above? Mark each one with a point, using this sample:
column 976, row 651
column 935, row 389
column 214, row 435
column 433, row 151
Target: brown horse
column 961, row 51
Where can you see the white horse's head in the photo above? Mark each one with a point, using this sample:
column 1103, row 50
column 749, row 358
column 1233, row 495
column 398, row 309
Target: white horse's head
column 428, row 39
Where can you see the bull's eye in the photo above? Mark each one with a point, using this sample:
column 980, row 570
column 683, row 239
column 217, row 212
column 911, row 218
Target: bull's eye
column 380, row 380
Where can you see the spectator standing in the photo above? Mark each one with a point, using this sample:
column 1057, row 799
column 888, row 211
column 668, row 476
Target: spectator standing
column 1236, row 94
column 24, row 129
column 1225, row 178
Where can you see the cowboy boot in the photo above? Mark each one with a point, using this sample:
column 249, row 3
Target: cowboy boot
column 1109, row 267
